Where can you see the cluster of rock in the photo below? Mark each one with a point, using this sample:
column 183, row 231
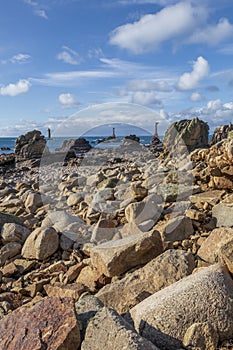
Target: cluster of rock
column 120, row 251
column 213, row 167
column 221, row 132
column 74, row 147
column 186, row 135
column 30, row 147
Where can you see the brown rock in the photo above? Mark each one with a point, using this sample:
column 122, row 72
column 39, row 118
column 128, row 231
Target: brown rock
column 212, row 197
column 115, row 257
column 226, row 254
column 201, row 336
column 210, row 248
column 65, row 291
column 8, row 251
column 41, row 244
column 50, row 324
column 159, row 273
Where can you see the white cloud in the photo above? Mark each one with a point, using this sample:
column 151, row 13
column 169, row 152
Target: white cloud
column 214, row 34
column 41, row 13
column 142, row 2
column 20, row 58
column 196, row 96
column 31, row 2
column 153, row 29
column 147, row 85
column 146, row 99
column 69, row 56
column 21, row 87
column 67, row 100
column 226, row 50
column 189, row 81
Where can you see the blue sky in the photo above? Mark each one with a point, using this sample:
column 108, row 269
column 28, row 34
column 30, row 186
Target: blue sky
column 133, row 61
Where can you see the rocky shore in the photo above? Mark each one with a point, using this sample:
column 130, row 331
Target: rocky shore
column 124, row 248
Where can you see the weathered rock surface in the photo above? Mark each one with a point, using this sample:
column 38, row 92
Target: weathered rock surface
column 50, row 324
column 201, row 336
column 190, row 133
column 30, row 146
column 115, row 257
column 177, row 229
column 159, row 273
column 164, row 317
column 8, row 218
column 108, row 330
column 210, row 248
column 221, row 132
column 41, row 244
column 8, row 251
column 14, row 233
column 223, row 212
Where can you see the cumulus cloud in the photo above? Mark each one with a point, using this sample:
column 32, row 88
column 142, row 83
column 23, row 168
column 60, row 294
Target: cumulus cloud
column 214, row 34
column 153, row 29
column 67, row 100
column 189, row 81
column 69, row 56
column 196, row 96
column 146, row 99
column 21, row 87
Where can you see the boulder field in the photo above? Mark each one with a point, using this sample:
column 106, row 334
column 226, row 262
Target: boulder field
column 120, row 249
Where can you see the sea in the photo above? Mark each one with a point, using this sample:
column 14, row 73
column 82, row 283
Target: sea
column 56, row 142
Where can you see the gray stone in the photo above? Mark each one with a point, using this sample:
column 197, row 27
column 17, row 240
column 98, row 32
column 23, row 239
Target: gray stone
column 212, row 197
column 157, row 274
column 115, row 257
column 147, row 209
column 206, row 296
column 8, row 251
column 223, row 212
column 6, row 218
column 107, row 330
column 177, row 229
column 14, row 233
column 86, row 307
column 41, row 244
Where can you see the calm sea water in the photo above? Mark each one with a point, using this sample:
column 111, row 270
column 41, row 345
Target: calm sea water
column 56, row 142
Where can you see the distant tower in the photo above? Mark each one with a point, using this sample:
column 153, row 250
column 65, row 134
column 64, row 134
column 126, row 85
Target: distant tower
column 113, row 133
column 49, row 133
column 156, row 130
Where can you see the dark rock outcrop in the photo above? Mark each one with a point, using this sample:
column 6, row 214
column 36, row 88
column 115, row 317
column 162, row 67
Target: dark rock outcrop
column 74, row 147
column 30, row 146
column 186, row 135
column 221, row 132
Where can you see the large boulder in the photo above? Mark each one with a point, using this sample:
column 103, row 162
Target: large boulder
column 113, row 258
column 206, row 296
column 41, row 244
column 159, row 273
column 191, row 134
column 14, row 233
column 30, row 146
column 107, row 330
column 50, row 324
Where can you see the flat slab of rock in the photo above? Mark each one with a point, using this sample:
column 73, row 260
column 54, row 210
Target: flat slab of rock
column 210, row 248
column 107, row 330
column 223, row 212
column 49, row 324
column 212, row 197
column 206, row 296
column 115, row 257
column 159, row 273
